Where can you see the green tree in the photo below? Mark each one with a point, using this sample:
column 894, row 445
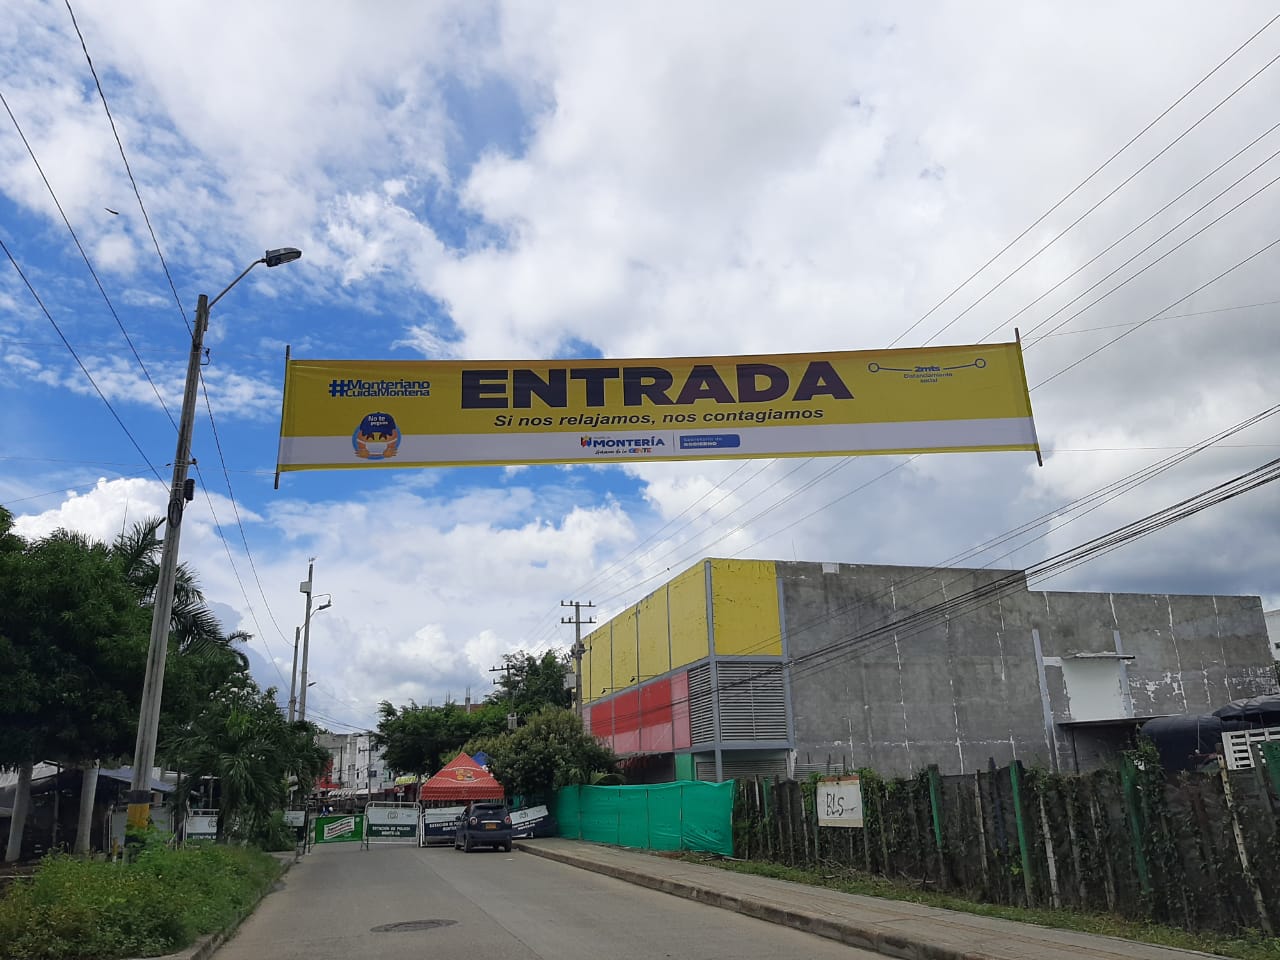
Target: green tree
column 551, row 750
column 421, row 740
column 73, row 642
column 530, row 683
column 243, row 740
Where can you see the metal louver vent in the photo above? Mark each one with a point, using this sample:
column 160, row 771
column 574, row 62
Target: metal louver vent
column 752, row 703
column 766, row 767
column 702, row 728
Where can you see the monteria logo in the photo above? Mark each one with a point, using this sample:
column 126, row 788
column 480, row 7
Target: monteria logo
column 339, row 827
column 622, row 442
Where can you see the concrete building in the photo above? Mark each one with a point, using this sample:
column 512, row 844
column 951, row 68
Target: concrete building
column 738, row 667
column 356, row 766
column 1273, row 632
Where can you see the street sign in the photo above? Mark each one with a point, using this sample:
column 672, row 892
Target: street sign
column 339, row 829
column 295, row 818
column 840, row 801
column 201, row 825
column 385, row 820
column 524, row 823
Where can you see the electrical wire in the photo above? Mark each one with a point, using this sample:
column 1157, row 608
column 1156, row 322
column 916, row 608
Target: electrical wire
column 921, row 620
column 1087, row 179
column 92, row 272
column 1108, row 196
column 1084, row 266
column 1174, row 249
column 1091, row 501
column 1093, row 353
column 178, row 300
column 128, row 169
column 83, row 369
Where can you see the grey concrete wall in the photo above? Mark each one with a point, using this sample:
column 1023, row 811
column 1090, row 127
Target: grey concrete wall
column 952, row 693
column 957, row 691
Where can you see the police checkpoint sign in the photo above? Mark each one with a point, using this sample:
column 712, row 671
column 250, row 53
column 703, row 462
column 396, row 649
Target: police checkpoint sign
column 368, row 414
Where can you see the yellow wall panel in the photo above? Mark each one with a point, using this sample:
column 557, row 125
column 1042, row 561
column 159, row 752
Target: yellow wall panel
column 599, row 674
column 625, row 664
column 745, row 608
column 687, row 598
column 655, row 643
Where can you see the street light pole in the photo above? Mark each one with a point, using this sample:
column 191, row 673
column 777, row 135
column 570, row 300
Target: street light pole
column 306, row 640
column 293, row 676
column 144, row 753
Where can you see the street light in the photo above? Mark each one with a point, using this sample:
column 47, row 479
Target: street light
column 297, row 634
column 144, row 753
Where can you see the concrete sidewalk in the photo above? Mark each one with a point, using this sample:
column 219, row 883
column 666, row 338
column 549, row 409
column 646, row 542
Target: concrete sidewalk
column 891, row 927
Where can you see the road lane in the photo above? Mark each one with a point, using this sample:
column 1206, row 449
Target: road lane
column 506, row 906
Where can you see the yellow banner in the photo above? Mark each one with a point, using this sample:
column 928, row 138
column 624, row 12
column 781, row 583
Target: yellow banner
column 390, row 413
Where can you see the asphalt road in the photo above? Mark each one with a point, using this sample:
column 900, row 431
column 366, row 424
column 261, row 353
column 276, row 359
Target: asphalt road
column 505, row 906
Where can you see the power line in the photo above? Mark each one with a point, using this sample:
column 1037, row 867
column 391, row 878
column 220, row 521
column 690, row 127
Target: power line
column 1114, row 340
column 1098, row 256
column 204, row 387
column 1109, row 195
column 1092, row 175
column 788, row 497
column 129, row 170
column 890, row 631
column 1087, row 179
column 110, row 306
column 83, row 369
column 1092, row 501
column 1172, row 250
column 236, row 510
column 1171, row 316
column 217, row 526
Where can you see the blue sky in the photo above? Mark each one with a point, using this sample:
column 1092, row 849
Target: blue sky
column 532, row 180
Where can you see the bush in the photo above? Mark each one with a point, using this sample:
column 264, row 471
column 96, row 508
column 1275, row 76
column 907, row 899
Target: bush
column 274, row 834
column 157, row 904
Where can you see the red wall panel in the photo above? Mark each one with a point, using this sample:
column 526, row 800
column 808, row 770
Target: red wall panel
column 680, row 737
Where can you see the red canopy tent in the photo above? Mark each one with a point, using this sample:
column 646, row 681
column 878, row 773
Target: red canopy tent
column 462, row 780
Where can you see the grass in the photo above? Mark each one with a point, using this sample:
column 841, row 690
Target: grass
column 159, row 903
column 1250, row 946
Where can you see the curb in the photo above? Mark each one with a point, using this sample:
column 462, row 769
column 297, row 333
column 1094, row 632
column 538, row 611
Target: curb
column 864, row 935
column 204, row 948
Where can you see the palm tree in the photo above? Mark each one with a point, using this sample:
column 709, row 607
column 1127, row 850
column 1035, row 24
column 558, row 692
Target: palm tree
column 243, row 741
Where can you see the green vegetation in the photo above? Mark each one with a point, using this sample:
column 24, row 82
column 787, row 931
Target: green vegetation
column 157, row 904
column 241, row 738
column 550, row 751
column 1247, row 947
column 529, row 683
column 421, row 740
column 74, row 632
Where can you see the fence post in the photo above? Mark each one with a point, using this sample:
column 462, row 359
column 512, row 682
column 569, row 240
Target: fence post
column 982, row 828
column 1133, row 812
column 1015, row 778
column 935, row 809
column 1055, row 898
column 1096, row 816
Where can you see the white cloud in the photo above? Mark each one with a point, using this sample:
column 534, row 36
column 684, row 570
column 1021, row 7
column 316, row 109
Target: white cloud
column 683, row 181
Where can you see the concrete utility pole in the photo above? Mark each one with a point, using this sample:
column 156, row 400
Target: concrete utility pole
column 511, row 694
column 305, row 587
column 180, row 492
column 577, row 649
column 293, row 676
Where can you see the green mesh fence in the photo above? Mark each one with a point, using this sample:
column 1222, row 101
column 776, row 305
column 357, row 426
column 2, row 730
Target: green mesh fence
column 689, row 815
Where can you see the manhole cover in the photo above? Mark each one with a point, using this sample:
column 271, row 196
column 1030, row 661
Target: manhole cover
column 406, row 926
